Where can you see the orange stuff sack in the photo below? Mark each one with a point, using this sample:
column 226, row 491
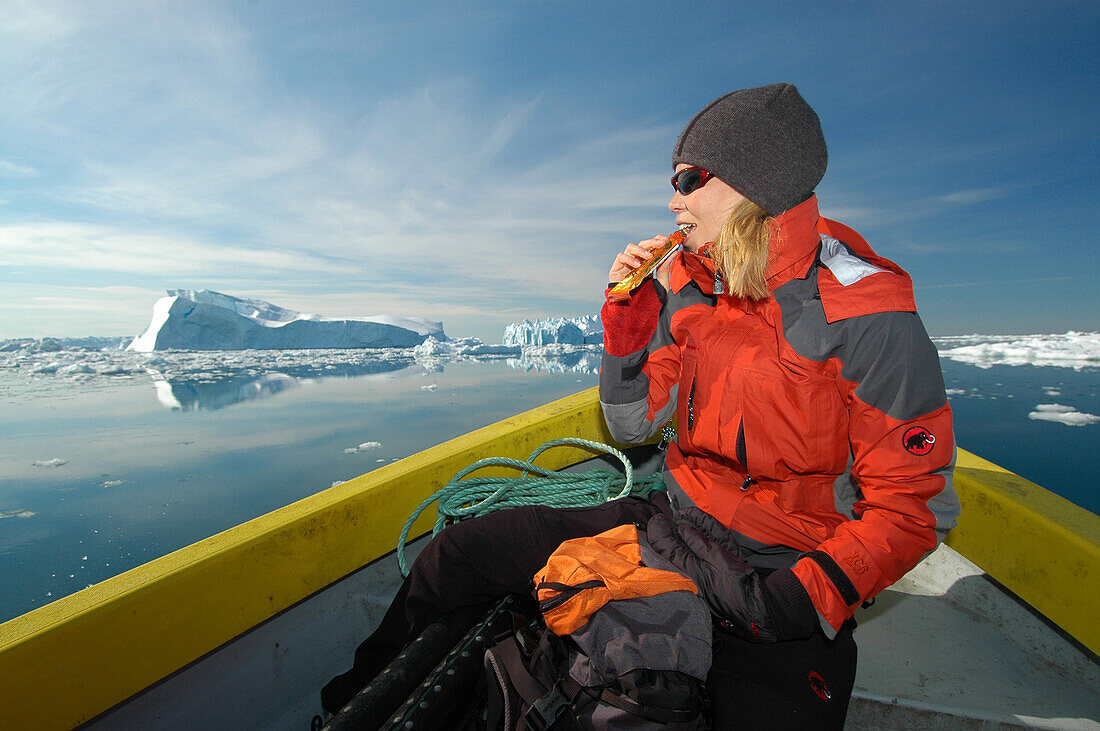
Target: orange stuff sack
column 584, row 574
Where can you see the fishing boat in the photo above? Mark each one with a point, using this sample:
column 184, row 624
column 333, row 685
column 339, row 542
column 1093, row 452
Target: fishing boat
column 998, row 628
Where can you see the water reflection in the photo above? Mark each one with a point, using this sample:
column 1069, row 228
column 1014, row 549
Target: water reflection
column 194, row 395
column 577, row 360
column 224, row 384
column 209, row 380
column 227, row 387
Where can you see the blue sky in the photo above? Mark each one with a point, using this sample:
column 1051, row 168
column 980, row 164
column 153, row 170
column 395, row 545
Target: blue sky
column 478, row 163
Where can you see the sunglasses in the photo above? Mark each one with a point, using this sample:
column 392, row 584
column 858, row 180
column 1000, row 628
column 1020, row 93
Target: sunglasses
column 690, row 179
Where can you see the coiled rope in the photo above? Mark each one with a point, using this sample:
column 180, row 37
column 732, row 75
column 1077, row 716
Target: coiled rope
column 467, row 497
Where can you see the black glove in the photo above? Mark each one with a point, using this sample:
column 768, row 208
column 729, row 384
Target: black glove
column 764, row 610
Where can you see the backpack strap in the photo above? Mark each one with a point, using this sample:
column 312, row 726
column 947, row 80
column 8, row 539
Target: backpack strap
column 650, row 713
column 530, row 688
column 554, row 707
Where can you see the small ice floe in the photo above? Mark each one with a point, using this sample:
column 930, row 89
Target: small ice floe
column 1067, row 415
column 55, row 462
column 19, row 513
column 111, row 483
column 1051, row 391
column 429, row 387
column 364, row 447
column 75, row 369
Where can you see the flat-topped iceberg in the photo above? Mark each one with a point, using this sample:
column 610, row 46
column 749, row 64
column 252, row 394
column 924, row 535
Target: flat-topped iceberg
column 46, row 345
column 205, row 320
column 584, row 330
column 1076, row 350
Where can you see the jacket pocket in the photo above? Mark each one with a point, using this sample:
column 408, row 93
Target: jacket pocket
column 710, row 409
column 794, row 425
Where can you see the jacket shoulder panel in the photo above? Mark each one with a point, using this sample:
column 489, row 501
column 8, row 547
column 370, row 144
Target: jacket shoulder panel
column 887, row 355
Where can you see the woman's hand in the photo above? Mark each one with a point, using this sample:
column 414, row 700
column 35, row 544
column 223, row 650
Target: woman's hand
column 634, row 255
column 758, row 608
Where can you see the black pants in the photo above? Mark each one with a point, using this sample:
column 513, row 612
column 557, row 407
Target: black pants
column 469, row 565
column 477, row 561
column 799, row 684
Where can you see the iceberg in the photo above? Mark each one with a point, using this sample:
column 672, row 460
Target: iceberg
column 207, row 320
column 461, row 348
column 52, row 345
column 432, row 353
column 583, row 330
column 1077, row 350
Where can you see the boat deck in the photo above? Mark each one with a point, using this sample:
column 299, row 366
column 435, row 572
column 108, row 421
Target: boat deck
column 947, row 648
column 944, row 648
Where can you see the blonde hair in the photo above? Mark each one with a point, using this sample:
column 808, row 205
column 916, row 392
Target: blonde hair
column 741, row 251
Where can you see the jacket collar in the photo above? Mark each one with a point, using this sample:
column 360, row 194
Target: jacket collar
column 794, row 244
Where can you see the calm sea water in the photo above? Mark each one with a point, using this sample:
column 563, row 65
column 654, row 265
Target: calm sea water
column 101, row 474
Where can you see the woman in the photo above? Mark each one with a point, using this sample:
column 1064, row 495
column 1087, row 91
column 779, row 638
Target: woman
column 813, row 424
column 812, row 461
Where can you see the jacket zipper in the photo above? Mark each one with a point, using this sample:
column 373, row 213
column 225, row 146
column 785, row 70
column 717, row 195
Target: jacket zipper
column 691, row 406
column 743, row 457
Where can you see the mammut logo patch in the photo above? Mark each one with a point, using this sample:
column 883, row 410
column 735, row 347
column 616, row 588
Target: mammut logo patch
column 819, row 686
column 918, row 440
column 855, row 562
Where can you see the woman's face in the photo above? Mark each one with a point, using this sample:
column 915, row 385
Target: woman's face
column 706, row 208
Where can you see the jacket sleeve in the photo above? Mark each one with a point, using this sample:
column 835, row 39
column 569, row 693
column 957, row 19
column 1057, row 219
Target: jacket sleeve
column 902, row 458
column 641, row 365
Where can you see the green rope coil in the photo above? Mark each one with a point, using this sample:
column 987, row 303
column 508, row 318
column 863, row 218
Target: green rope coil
column 467, row 497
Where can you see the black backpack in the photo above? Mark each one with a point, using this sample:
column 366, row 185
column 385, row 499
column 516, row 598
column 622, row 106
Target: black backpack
column 530, row 688
column 637, row 663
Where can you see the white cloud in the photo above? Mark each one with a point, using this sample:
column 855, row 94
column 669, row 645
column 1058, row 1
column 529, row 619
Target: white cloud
column 14, row 170
column 976, row 195
column 94, row 247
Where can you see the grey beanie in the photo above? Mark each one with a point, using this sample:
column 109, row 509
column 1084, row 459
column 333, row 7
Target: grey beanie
column 765, row 142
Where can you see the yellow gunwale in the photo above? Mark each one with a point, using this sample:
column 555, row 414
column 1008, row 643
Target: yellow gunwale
column 69, row 661
column 1040, row 546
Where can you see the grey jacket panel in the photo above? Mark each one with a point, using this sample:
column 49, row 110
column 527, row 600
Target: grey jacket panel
column 888, row 354
column 846, row 493
column 628, row 422
column 945, row 505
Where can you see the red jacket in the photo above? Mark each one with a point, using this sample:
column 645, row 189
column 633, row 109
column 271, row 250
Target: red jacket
column 814, row 423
